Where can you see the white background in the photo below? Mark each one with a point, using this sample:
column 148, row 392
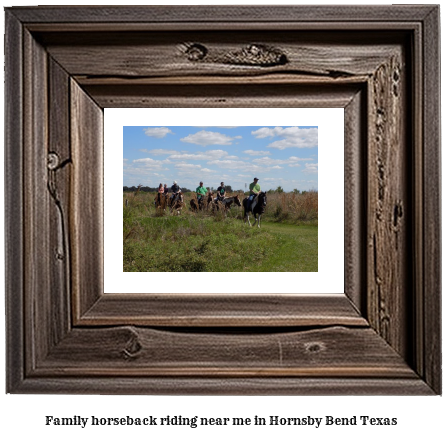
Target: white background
column 330, row 123
column 23, row 415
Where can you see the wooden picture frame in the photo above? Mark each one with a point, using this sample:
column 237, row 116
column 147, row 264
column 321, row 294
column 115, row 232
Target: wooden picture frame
column 65, row 64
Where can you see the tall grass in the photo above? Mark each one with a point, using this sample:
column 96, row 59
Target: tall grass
column 155, row 240
column 190, row 243
column 295, row 208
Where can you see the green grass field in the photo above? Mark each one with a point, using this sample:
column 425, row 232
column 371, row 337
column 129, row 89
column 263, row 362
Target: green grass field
column 212, row 243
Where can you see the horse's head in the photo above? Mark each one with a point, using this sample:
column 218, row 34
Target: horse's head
column 237, row 200
column 262, row 198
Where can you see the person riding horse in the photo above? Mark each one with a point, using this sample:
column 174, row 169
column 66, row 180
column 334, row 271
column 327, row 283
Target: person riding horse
column 221, row 191
column 175, row 189
column 201, row 192
column 254, row 190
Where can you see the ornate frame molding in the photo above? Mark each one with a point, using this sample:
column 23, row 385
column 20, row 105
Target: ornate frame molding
column 64, row 65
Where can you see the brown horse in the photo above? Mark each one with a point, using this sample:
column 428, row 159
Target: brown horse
column 194, row 205
column 197, row 205
column 209, row 202
column 161, row 201
column 178, row 204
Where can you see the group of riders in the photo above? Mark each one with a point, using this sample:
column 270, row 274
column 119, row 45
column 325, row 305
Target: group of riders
column 174, row 191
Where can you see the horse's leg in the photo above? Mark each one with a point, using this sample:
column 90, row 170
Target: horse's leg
column 246, row 218
column 255, row 217
column 259, row 218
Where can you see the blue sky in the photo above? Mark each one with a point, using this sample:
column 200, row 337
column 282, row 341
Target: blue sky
column 285, row 156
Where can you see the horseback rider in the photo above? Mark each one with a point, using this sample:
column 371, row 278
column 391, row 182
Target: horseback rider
column 201, row 191
column 254, row 190
column 175, row 189
column 221, row 191
column 160, row 192
column 166, row 189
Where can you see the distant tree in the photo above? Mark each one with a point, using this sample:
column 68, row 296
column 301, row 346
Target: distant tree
column 296, row 191
column 228, row 189
column 279, row 189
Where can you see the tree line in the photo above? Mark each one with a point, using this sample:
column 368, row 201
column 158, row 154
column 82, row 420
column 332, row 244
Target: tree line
column 155, row 189
column 279, row 189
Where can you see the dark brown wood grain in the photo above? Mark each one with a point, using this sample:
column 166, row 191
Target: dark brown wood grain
column 14, row 239
column 160, row 54
column 86, row 206
column 59, row 168
column 234, row 310
column 355, row 194
column 64, row 65
column 129, row 351
column 388, row 203
column 38, row 307
column 223, row 14
column 430, row 319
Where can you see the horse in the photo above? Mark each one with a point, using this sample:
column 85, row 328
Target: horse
column 178, row 203
column 200, row 204
column 161, row 201
column 210, row 201
column 227, row 203
column 257, row 207
column 194, row 205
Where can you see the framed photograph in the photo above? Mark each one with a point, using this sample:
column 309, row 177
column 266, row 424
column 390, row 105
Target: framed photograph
column 375, row 331
column 198, row 246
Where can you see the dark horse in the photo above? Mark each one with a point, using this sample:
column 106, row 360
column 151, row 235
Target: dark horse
column 258, row 207
column 227, row 203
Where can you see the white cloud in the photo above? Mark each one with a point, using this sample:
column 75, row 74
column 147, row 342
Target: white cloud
column 311, row 168
column 266, row 132
column 144, row 160
column 157, row 132
column 186, row 166
column 159, row 151
column 272, row 179
column 214, row 154
column 147, row 163
column 292, row 137
column 207, row 138
column 291, row 161
column 256, row 153
column 235, row 164
column 266, row 161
